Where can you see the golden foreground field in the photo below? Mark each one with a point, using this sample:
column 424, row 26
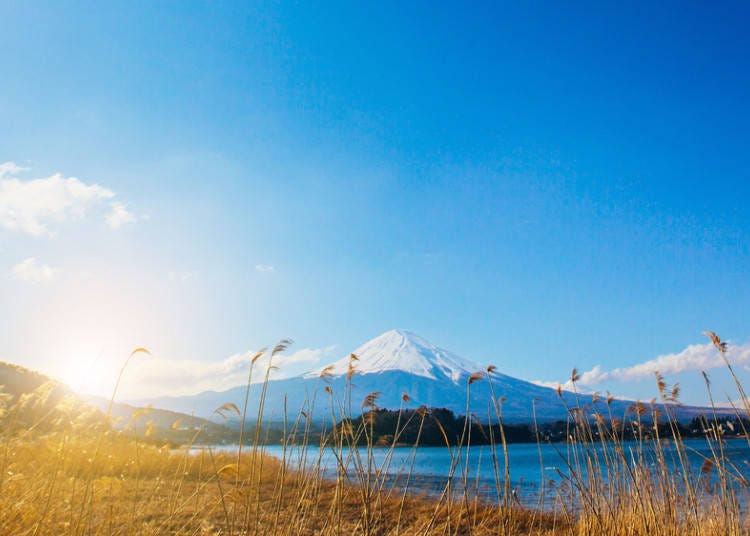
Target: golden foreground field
column 62, row 484
column 66, row 469
column 54, row 489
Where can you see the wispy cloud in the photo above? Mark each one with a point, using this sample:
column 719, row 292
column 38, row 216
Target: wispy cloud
column 11, row 168
column 264, row 268
column 33, row 206
column 183, row 377
column 695, row 357
column 119, row 215
column 32, row 271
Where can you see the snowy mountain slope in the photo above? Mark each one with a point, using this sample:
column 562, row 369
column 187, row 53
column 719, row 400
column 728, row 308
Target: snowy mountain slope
column 401, row 363
column 403, row 351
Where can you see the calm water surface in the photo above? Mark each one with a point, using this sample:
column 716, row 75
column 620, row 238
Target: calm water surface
column 539, row 474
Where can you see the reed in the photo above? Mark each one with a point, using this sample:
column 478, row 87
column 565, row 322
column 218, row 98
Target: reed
column 64, row 469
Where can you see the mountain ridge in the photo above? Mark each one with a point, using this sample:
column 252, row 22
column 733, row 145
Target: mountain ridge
column 17, row 382
column 409, row 371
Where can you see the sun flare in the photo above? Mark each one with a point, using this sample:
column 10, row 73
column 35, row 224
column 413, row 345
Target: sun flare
column 87, row 373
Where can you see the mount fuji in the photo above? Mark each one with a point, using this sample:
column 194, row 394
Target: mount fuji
column 399, row 363
column 399, row 350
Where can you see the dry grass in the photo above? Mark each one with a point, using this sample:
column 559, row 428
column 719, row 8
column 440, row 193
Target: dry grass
column 64, row 470
column 141, row 489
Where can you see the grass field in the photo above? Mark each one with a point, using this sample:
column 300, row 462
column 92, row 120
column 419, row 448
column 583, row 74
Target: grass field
column 66, row 470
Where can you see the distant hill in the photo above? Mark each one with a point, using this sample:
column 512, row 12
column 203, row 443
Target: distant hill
column 17, row 380
column 39, row 394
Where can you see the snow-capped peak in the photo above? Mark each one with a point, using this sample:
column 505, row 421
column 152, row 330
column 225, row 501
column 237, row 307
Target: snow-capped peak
column 403, row 351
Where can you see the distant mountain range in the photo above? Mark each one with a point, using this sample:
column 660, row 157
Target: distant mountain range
column 406, row 371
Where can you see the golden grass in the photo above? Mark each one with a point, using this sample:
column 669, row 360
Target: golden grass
column 65, row 470
column 147, row 490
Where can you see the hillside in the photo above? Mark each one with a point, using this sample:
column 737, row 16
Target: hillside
column 40, row 396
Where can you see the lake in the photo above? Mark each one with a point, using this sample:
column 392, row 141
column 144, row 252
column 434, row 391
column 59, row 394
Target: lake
column 539, row 474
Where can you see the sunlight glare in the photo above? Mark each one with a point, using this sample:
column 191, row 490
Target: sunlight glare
column 87, row 373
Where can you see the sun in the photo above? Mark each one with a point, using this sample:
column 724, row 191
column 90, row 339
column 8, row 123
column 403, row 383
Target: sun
column 86, row 373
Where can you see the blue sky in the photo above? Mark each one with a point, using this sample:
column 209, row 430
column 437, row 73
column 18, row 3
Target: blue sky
column 539, row 186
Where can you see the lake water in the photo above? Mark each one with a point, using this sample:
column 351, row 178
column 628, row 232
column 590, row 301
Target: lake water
column 539, row 474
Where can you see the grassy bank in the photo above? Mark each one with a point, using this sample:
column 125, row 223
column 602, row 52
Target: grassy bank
column 60, row 484
column 65, row 469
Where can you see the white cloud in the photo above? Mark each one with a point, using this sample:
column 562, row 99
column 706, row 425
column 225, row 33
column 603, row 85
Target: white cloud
column 32, row 206
column 183, row 377
column 119, row 215
column 695, row 357
column 30, row 270
column 264, row 268
column 10, row 168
